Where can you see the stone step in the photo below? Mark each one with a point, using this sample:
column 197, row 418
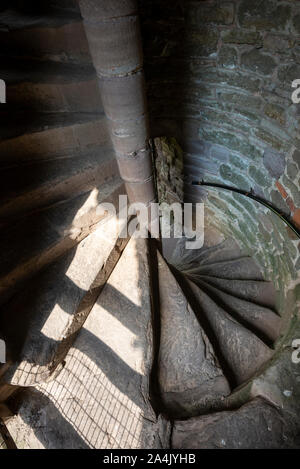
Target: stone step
column 6, row 441
column 258, row 292
column 65, row 43
column 191, row 380
column 101, row 398
column 18, row 70
column 81, row 96
column 47, row 234
column 33, row 186
column 241, row 350
column 255, row 425
column 186, row 259
column 15, row 124
column 263, row 321
column 243, row 268
column 2, row 443
column 30, row 14
column 41, row 320
column 228, row 250
column 58, row 142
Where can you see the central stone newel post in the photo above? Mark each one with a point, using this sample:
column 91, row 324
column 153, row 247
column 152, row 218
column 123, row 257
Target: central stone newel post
column 113, row 33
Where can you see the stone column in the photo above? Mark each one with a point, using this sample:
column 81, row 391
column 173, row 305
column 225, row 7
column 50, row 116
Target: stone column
column 113, row 33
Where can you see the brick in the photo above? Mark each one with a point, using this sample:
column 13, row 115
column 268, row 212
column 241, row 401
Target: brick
column 281, row 189
column 290, row 204
column 296, row 217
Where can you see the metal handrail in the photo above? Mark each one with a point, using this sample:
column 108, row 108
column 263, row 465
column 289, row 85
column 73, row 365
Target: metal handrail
column 251, row 195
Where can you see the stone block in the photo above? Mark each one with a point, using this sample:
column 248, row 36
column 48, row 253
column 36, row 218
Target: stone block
column 274, row 162
column 264, row 16
column 258, row 62
column 227, row 57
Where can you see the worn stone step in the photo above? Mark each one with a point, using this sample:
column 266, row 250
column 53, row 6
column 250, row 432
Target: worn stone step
column 263, row 321
column 64, row 43
column 243, row 268
column 262, row 293
column 228, row 250
column 191, row 380
column 38, row 322
column 18, row 70
column 58, row 142
column 101, row 398
column 2, row 443
column 30, row 187
column 49, row 233
column 175, row 252
column 6, row 441
column 20, row 15
column 241, row 350
column 255, row 425
column 14, row 124
column 188, row 260
column 82, row 96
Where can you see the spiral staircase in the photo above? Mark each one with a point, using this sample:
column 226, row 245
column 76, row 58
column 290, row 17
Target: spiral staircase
column 140, row 373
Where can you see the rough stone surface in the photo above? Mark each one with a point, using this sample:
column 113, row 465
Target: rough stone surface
column 228, row 57
column 261, row 293
column 48, row 234
column 190, row 378
column 242, row 73
column 201, row 13
column 236, row 344
column 261, row 320
column 259, row 62
column 49, row 307
column 274, row 163
column 2, row 443
column 241, row 37
column 256, row 425
column 243, row 268
column 296, row 158
column 188, row 260
column 263, row 15
column 101, row 397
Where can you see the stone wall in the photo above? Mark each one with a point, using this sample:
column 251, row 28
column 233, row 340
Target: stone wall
column 219, row 76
